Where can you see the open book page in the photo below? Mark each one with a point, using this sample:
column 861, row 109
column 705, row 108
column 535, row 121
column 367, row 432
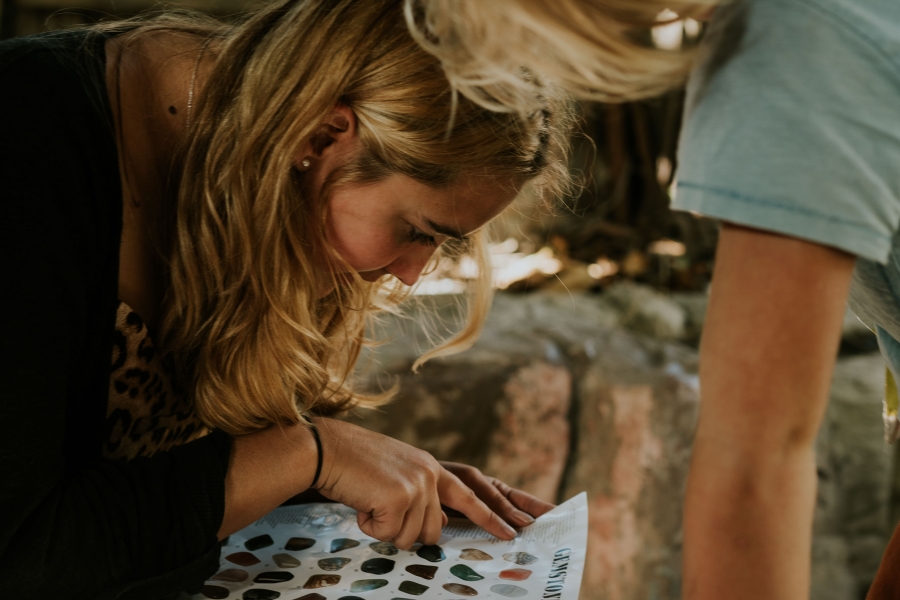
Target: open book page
column 317, row 552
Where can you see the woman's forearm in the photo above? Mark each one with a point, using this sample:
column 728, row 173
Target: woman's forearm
column 748, row 522
column 266, row 469
column 770, row 340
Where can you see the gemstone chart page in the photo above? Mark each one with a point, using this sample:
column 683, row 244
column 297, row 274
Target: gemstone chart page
column 317, row 552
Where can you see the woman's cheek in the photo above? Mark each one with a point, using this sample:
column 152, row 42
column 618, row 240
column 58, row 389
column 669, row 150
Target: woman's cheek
column 370, row 253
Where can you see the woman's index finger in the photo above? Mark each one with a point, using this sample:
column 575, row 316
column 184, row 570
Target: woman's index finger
column 456, row 495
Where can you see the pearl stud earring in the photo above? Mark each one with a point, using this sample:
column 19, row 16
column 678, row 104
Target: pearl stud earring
column 305, row 163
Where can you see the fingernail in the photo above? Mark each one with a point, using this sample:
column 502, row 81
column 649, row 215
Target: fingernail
column 509, row 530
column 524, row 519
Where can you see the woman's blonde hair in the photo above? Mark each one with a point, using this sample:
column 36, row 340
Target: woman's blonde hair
column 246, row 249
column 497, row 52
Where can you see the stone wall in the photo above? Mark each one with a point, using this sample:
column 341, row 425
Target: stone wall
column 565, row 393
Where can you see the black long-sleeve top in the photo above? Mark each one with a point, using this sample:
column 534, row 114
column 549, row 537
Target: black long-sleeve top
column 72, row 524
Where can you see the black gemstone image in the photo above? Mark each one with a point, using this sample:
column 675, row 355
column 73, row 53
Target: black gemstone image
column 214, row 592
column 313, row 596
column 261, row 594
column 423, row 571
column 413, row 588
column 259, row 542
column 377, row 566
column 296, row 544
column 431, row 553
column 343, row 544
column 350, row 598
column 273, row 577
column 245, row 559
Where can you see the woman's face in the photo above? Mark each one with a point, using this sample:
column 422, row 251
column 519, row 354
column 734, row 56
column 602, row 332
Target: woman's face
column 393, row 226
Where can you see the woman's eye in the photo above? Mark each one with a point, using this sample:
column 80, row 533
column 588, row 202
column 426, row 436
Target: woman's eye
column 420, row 237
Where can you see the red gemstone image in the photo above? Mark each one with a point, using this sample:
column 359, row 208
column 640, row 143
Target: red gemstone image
column 515, row 574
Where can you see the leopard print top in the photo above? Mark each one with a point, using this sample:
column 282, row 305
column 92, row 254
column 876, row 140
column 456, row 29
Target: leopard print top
column 144, row 414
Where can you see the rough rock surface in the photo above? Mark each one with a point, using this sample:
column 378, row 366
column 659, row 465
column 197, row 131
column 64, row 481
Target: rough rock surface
column 637, row 406
column 565, row 393
column 647, row 311
column 855, row 469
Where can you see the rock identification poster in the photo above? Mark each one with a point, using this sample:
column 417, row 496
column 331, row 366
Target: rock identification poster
column 317, row 552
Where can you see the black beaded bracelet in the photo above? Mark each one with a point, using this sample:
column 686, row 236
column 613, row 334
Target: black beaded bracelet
column 315, row 432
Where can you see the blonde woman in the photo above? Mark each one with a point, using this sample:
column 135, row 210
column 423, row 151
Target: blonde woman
column 212, row 212
column 792, row 139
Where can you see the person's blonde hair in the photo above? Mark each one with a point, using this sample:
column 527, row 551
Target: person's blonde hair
column 497, row 52
column 247, row 251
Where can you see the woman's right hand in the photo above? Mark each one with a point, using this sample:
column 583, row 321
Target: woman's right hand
column 397, row 489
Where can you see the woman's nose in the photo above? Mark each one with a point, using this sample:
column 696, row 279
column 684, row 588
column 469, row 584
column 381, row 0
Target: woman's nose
column 409, row 266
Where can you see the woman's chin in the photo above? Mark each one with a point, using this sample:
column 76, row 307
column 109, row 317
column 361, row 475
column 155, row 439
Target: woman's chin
column 373, row 276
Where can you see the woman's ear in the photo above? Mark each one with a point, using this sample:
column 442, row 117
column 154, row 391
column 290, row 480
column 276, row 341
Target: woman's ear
column 335, row 136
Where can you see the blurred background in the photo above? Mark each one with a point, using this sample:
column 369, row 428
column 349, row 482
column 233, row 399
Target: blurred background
column 586, row 375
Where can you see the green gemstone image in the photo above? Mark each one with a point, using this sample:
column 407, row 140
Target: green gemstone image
column 384, row 548
column 333, row 564
column 431, row 553
column 413, row 588
column 367, row 585
column 465, row 573
column 286, row 561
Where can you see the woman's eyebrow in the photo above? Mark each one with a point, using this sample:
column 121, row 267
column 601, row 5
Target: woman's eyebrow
column 445, row 230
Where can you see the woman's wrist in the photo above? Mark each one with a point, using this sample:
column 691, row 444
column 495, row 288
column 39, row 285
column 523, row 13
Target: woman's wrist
column 320, row 455
column 329, row 432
